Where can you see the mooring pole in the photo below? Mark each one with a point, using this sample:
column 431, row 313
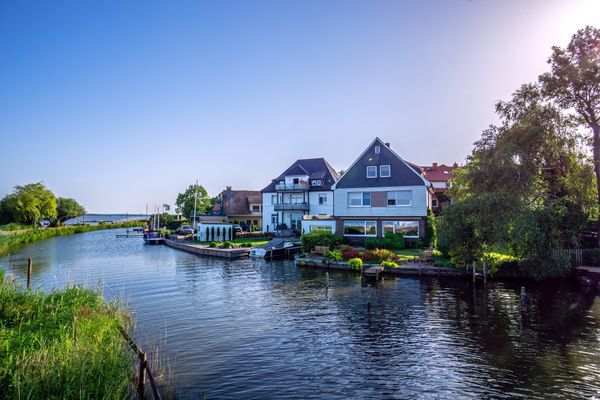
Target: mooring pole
column 142, row 377
column 474, row 271
column 29, row 268
column 484, row 272
column 523, row 296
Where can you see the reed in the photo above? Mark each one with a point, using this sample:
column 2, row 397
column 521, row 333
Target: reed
column 61, row 345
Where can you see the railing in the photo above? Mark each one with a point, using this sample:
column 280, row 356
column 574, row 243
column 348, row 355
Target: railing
column 295, row 186
column 291, row 207
column 576, row 255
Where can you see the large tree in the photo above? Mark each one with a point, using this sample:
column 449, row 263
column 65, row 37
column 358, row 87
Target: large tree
column 29, row 204
column 67, row 208
column 185, row 200
column 574, row 83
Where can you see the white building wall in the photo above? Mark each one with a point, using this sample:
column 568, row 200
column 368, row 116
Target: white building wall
column 268, row 210
column 420, row 202
column 316, row 208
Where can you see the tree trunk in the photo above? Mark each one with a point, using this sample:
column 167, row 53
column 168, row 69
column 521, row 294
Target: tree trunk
column 596, row 130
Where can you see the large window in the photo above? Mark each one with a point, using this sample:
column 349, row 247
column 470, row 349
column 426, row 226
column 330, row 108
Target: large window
column 372, row 171
column 399, row 198
column 385, row 171
column 321, row 228
column 360, row 228
column 359, row 199
column 409, row 229
column 273, row 199
column 255, row 208
column 274, row 219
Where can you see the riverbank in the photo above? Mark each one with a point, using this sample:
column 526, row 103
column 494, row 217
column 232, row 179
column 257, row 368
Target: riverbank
column 63, row 344
column 9, row 242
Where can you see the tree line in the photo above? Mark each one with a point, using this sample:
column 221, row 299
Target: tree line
column 530, row 184
column 33, row 203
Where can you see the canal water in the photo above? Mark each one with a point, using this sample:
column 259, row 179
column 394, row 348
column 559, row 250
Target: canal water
column 252, row 329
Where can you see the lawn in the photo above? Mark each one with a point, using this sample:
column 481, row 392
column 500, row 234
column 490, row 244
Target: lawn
column 408, row 254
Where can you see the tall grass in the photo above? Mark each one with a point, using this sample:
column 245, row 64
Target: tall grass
column 10, row 242
column 61, row 345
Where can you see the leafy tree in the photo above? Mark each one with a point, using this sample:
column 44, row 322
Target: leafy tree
column 67, row 208
column 574, row 83
column 29, row 204
column 185, row 200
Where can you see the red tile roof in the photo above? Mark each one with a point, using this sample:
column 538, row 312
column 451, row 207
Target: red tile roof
column 237, row 202
column 438, row 172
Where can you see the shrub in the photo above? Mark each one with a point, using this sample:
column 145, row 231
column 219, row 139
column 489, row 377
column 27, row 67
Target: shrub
column 335, row 255
column 310, row 240
column 430, row 237
column 212, row 232
column 355, row 264
column 591, row 257
column 207, row 233
column 389, row 264
column 380, row 255
column 213, row 244
column 227, row 244
column 348, row 252
column 391, row 241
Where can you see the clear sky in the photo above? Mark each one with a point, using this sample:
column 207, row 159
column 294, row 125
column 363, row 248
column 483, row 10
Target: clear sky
column 122, row 104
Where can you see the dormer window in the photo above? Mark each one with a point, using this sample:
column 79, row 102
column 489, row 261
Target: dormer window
column 385, row 171
column 371, row 171
column 316, row 182
column 377, row 149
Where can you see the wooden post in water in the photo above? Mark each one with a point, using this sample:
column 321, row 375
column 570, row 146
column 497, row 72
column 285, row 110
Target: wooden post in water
column 142, row 375
column 29, row 267
column 474, row 271
column 484, row 272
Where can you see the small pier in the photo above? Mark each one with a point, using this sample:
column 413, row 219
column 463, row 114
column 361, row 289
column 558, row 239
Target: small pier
column 130, row 235
column 373, row 273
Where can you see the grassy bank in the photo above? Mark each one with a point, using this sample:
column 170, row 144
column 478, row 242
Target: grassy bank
column 61, row 345
column 10, row 242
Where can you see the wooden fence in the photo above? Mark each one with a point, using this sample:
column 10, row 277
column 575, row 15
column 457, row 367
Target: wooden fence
column 576, row 255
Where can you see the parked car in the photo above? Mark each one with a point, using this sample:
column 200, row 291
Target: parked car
column 186, row 230
column 237, row 228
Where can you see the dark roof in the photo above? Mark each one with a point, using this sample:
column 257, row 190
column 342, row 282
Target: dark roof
column 237, row 202
column 403, row 173
column 315, row 168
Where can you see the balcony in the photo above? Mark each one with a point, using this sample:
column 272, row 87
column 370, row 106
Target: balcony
column 295, row 187
column 291, row 207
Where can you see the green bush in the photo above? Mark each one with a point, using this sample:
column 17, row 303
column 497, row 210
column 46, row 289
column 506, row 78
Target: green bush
column 391, row 241
column 355, row 264
column 213, row 244
column 335, row 255
column 591, row 257
column 430, row 238
column 389, row 264
column 227, row 244
column 310, row 240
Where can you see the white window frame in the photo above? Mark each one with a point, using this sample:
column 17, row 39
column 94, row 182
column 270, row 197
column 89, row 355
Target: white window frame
column 384, row 223
column 257, row 208
column 321, row 228
column 317, row 182
column 434, row 203
column 362, row 199
column 377, row 149
column 275, row 219
column 323, row 196
column 396, row 198
column 274, row 197
column 364, row 222
column 374, row 167
column 381, row 175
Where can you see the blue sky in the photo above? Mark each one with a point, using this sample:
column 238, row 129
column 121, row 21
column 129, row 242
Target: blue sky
column 122, row 104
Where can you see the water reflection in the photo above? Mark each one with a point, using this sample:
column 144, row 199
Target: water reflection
column 256, row 329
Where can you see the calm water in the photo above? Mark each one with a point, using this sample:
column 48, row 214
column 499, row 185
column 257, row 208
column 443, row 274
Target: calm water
column 253, row 329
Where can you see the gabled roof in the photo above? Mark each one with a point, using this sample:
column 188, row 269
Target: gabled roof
column 315, row 168
column 439, row 172
column 237, row 202
column 402, row 172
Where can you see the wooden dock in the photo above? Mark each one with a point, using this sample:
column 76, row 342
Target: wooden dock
column 373, row 273
column 208, row 251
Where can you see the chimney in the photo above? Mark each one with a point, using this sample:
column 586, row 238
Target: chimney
column 229, row 194
column 388, row 145
column 434, row 165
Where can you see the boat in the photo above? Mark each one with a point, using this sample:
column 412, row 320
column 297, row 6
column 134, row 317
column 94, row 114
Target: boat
column 153, row 237
column 276, row 248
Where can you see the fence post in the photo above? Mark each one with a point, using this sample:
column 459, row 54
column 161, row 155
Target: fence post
column 474, row 271
column 29, row 268
column 142, row 377
column 484, row 272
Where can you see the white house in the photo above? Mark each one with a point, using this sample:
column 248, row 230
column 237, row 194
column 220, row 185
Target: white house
column 300, row 195
column 381, row 193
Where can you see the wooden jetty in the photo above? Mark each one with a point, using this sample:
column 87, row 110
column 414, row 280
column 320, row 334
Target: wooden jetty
column 374, row 273
column 130, row 235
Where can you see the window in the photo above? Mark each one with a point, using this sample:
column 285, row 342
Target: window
column 360, row 228
column 385, row 171
column 399, row 198
column 371, row 171
column 409, row 229
column 322, row 198
column 274, row 219
column 434, row 203
column 321, row 229
column 359, row 199
column 255, row 208
column 273, row 199
column 377, row 149
column 316, row 182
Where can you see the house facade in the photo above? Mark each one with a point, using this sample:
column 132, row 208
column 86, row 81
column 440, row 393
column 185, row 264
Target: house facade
column 381, row 193
column 301, row 193
column 439, row 175
column 242, row 207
